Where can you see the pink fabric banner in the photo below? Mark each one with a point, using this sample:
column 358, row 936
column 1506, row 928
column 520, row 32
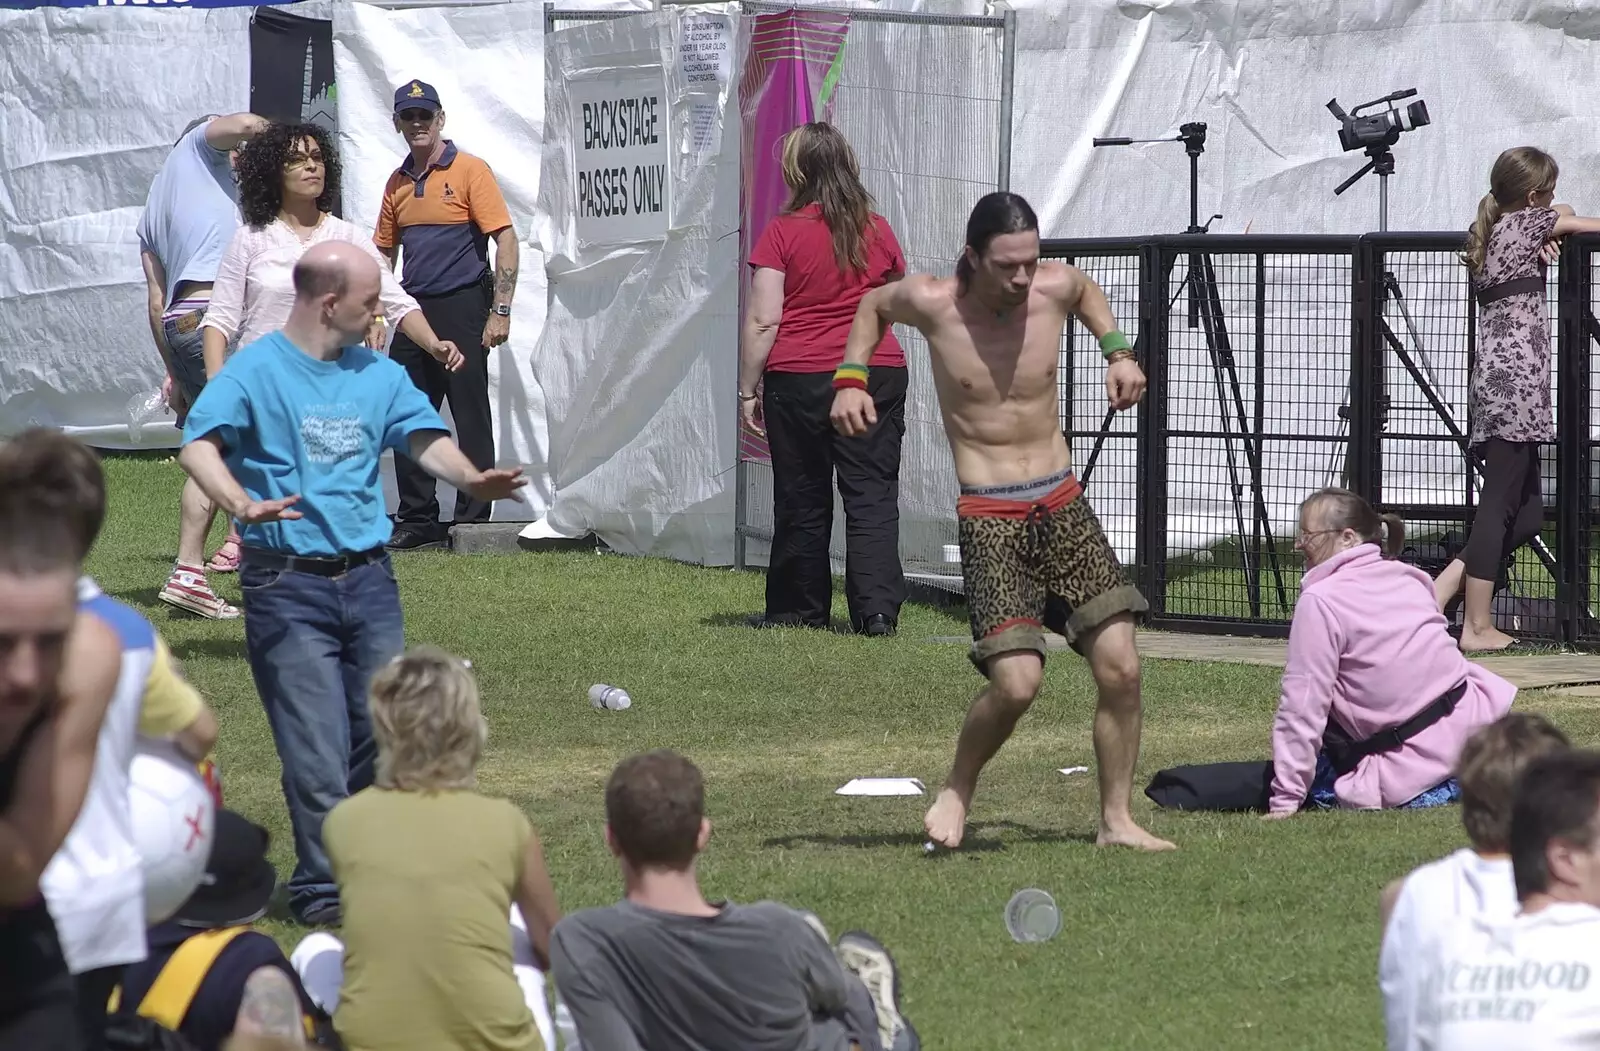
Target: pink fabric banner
column 788, row 80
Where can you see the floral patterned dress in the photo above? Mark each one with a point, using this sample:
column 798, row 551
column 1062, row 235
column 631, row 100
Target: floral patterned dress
column 1508, row 394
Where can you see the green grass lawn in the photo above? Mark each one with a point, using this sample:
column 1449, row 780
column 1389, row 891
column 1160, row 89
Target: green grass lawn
column 1252, row 935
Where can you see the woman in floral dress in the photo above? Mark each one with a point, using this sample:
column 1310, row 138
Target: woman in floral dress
column 1508, row 407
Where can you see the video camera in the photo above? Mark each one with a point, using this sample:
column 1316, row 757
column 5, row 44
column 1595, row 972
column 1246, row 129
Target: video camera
column 1379, row 129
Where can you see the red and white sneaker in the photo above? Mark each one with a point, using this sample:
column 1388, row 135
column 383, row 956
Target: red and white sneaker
column 187, row 589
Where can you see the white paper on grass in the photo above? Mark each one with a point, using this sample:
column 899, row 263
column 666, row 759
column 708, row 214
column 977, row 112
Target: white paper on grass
column 486, row 63
column 881, row 786
column 1070, row 770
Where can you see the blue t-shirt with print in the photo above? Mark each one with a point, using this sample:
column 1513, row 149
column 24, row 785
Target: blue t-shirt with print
column 290, row 423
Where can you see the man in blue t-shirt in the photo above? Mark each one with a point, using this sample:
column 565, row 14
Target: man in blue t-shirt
column 287, row 439
column 190, row 215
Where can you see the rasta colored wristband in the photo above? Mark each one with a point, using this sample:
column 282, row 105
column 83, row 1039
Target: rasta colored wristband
column 1112, row 342
column 850, row 375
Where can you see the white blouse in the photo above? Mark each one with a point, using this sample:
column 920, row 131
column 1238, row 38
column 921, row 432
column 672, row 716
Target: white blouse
column 254, row 291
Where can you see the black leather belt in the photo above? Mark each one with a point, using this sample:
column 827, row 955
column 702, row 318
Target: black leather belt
column 322, row 567
column 1505, row 289
column 1346, row 755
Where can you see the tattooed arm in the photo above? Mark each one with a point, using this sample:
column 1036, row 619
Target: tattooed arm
column 271, row 1007
column 505, row 265
column 498, row 326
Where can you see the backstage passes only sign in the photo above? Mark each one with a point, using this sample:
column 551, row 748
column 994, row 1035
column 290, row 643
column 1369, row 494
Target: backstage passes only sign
column 620, row 130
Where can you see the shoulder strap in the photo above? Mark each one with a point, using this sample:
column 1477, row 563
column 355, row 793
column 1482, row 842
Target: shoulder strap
column 175, row 987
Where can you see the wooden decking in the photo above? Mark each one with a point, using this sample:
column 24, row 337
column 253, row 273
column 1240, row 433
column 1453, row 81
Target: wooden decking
column 1531, row 671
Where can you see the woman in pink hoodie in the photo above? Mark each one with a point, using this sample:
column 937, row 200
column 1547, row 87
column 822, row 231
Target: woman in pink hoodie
column 1377, row 699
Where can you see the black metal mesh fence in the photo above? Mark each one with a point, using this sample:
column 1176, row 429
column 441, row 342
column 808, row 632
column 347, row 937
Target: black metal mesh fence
column 1579, row 372
column 1105, row 444
column 1257, row 369
column 1279, row 366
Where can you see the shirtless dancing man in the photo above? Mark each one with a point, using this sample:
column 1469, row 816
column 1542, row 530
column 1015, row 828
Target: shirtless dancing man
column 1032, row 551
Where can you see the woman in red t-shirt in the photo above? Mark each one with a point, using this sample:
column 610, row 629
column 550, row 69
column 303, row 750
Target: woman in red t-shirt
column 812, row 265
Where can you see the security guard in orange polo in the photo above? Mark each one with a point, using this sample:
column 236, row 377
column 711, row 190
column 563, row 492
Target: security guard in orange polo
column 441, row 208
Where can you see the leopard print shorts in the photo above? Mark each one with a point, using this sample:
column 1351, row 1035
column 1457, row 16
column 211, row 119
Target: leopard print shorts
column 1044, row 564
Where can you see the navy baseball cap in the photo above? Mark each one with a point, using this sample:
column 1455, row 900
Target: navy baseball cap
column 414, row 94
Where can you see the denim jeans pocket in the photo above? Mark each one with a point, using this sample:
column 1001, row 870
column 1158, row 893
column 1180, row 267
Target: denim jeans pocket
column 253, row 579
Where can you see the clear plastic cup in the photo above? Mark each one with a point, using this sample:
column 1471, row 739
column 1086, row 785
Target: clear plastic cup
column 1032, row 916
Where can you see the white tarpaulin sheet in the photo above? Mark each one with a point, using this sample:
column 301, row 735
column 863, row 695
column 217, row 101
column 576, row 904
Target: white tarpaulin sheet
column 637, row 378
column 640, row 201
column 91, row 100
column 486, row 63
column 90, row 103
column 1494, row 74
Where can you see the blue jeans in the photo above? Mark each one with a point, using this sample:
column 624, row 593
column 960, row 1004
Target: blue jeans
column 314, row 643
column 188, row 356
column 1322, row 796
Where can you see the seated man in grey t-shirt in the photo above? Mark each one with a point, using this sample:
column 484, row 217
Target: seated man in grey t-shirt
column 664, row 970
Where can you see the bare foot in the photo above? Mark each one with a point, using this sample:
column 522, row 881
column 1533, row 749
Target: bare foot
column 1131, row 835
column 946, row 821
column 1490, row 641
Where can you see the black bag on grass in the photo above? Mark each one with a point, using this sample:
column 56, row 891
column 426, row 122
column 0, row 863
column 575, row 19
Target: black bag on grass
column 1213, row 786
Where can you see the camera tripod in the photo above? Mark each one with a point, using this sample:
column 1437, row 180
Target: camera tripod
column 1415, row 359
column 1205, row 311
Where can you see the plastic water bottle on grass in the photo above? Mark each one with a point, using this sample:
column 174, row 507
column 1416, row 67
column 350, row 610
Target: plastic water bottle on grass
column 142, row 409
column 613, row 698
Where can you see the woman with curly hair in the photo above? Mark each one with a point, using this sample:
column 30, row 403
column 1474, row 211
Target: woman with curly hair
column 288, row 181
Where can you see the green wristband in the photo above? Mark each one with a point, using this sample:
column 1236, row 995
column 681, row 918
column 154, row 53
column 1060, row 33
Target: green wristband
column 1114, row 341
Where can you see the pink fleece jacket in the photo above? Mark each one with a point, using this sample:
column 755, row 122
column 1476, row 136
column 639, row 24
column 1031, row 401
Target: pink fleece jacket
column 1368, row 648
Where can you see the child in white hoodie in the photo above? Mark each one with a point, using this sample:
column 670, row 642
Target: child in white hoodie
column 1472, row 881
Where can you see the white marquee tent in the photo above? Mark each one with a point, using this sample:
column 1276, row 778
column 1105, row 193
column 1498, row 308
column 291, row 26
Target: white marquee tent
column 616, row 390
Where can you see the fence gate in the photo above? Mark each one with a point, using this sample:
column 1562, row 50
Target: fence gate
column 925, row 100
column 1281, row 364
column 556, row 17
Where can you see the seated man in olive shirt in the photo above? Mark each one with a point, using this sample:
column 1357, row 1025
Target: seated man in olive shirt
column 664, row 969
